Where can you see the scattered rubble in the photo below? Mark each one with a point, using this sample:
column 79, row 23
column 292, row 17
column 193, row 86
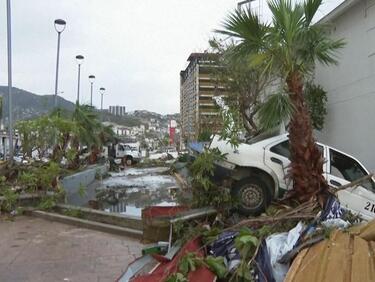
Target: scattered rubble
column 287, row 243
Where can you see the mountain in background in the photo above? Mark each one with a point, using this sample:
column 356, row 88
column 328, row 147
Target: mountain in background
column 27, row 105
column 146, row 116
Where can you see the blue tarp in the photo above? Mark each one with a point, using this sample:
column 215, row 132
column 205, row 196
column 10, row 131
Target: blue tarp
column 196, row 146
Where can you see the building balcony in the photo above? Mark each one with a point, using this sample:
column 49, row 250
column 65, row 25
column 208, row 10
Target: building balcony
column 207, row 104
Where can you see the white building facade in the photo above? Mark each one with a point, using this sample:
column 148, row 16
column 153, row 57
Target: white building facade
column 117, row 110
column 350, row 86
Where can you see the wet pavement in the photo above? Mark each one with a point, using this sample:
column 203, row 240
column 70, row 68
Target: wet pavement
column 129, row 191
column 34, row 249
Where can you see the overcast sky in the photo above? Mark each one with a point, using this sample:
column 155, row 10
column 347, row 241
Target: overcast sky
column 135, row 48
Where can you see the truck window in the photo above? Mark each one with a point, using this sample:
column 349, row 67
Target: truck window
column 345, row 167
column 282, row 149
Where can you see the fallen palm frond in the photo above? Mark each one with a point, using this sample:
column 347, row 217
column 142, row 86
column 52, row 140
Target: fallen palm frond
column 303, row 211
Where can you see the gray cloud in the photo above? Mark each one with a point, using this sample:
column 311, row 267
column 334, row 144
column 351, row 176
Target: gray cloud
column 135, row 48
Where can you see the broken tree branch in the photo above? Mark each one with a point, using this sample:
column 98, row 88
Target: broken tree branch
column 303, row 211
column 353, row 183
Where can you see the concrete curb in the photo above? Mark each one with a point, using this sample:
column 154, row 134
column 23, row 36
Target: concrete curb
column 125, row 221
column 117, row 230
column 26, row 199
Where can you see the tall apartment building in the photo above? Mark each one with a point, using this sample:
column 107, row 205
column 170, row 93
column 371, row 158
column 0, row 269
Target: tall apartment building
column 199, row 111
column 117, row 110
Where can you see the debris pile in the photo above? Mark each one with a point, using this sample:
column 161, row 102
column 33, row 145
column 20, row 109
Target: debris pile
column 301, row 243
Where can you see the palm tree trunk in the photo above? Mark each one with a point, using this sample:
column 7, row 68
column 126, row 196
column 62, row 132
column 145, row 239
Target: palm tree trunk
column 307, row 161
column 94, row 154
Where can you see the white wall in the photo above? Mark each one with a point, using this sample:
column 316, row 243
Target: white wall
column 350, row 123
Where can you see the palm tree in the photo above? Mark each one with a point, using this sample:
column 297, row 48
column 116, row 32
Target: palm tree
column 288, row 49
column 90, row 131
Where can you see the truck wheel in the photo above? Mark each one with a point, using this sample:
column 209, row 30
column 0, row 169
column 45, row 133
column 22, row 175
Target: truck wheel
column 253, row 195
column 129, row 160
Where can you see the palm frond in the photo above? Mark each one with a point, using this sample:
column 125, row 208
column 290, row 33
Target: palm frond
column 275, row 110
column 247, row 28
column 310, row 8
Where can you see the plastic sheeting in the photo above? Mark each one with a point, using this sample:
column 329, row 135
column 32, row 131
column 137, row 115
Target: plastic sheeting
column 332, row 214
column 263, row 268
column 224, row 246
column 278, row 245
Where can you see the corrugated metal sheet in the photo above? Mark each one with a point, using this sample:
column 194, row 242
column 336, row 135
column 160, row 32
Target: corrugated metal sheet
column 346, row 256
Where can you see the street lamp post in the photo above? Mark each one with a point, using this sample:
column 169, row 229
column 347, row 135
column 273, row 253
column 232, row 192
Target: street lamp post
column 9, row 49
column 101, row 90
column 59, row 27
column 239, row 4
column 79, row 59
column 91, row 79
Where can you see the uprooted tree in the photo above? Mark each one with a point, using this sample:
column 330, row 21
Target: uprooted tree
column 287, row 49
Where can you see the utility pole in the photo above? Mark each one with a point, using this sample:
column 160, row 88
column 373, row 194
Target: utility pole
column 9, row 48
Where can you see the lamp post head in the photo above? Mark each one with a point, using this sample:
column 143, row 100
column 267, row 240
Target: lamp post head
column 102, row 90
column 92, row 78
column 60, row 25
column 244, row 2
column 79, row 59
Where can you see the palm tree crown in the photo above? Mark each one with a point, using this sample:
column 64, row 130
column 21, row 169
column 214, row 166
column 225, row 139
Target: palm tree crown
column 287, row 49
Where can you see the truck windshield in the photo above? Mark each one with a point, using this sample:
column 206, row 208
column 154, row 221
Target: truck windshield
column 262, row 136
column 349, row 169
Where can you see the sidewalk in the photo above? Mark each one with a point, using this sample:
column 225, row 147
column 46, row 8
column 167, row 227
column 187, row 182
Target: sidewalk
column 33, row 249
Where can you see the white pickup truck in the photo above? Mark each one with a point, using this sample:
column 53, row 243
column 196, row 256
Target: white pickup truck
column 258, row 168
column 127, row 153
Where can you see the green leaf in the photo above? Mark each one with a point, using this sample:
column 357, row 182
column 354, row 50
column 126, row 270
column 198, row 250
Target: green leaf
column 246, row 239
column 176, row 277
column 184, row 266
column 189, row 262
column 217, row 266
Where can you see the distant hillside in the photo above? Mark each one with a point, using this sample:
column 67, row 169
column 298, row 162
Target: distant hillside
column 146, row 116
column 28, row 105
column 127, row 120
column 141, row 117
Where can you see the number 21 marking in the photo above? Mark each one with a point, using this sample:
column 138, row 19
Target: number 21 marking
column 370, row 207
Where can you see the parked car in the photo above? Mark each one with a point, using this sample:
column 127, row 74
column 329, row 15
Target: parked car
column 18, row 158
column 172, row 152
column 258, row 168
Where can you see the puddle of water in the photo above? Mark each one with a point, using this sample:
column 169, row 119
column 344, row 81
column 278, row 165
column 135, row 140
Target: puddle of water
column 130, row 191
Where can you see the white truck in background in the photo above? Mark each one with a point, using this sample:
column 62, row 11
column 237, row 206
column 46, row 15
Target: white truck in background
column 125, row 153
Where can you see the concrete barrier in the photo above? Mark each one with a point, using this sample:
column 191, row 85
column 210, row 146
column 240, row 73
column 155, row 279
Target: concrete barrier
column 74, row 182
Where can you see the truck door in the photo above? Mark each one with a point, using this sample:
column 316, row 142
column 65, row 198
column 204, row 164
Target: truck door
column 120, row 152
column 277, row 158
column 344, row 169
